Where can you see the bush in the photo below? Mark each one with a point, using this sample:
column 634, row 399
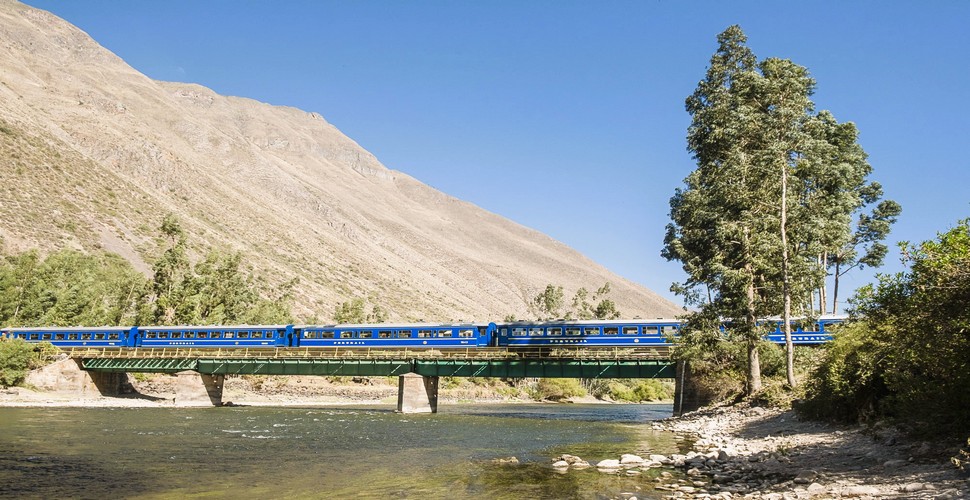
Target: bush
column 18, row 357
column 557, row 389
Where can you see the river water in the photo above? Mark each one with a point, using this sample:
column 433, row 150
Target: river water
column 321, row 452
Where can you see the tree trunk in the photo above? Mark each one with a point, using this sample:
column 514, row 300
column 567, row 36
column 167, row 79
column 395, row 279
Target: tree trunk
column 754, row 363
column 835, row 290
column 785, row 279
column 822, row 292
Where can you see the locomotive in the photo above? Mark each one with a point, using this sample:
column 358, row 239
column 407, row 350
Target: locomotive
column 521, row 334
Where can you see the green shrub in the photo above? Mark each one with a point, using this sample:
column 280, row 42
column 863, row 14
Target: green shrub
column 557, row 389
column 18, row 357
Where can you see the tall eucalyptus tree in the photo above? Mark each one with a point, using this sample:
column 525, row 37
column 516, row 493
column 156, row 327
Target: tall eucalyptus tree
column 775, row 187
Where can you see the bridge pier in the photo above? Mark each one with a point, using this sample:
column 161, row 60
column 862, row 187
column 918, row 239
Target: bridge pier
column 67, row 375
column 198, row 389
column 417, row 394
column 687, row 395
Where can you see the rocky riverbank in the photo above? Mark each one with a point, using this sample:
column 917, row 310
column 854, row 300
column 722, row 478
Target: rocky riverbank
column 753, row 452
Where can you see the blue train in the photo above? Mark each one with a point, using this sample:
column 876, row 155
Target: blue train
column 523, row 334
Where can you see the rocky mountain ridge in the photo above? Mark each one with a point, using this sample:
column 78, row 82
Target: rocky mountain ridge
column 95, row 154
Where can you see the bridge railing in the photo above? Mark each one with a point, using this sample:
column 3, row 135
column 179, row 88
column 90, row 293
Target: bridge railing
column 376, row 353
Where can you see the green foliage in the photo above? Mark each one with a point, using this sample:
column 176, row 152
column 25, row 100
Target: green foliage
column 355, row 311
column 68, row 288
column 550, row 305
column 774, row 191
column 557, row 389
column 906, row 356
column 636, row 391
column 17, row 357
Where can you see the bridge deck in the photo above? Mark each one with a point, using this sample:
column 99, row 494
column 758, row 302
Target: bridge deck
column 585, row 363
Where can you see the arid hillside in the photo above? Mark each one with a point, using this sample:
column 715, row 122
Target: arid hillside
column 94, row 154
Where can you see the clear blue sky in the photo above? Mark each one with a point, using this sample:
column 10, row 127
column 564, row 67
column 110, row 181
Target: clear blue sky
column 568, row 116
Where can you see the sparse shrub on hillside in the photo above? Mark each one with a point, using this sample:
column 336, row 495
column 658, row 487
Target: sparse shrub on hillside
column 549, row 304
column 355, row 311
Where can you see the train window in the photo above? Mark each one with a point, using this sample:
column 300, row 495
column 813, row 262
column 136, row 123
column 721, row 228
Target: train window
column 72, row 336
column 190, row 335
column 385, row 334
column 423, row 334
column 163, row 335
column 366, row 335
column 573, row 331
column 404, row 335
column 466, row 333
column 215, row 335
column 58, row 336
column 670, row 329
column 629, row 330
column 519, row 332
column 203, row 335
column 345, row 335
column 311, row 335
column 651, row 330
column 35, row 336
column 98, row 336
column 554, row 331
column 112, row 336
column 325, row 335
column 149, row 335
column 85, row 336
column 535, row 332
column 46, row 336
column 504, row 332
column 257, row 335
column 610, row 330
column 243, row 335
column 444, row 333
column 176, row 335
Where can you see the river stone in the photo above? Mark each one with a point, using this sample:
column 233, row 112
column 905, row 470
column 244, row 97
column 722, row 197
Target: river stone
column 860, row 491
column 806, row 477
column 506, row 461
column 608, row 464
column 895, row 464
column 562, row 464
column 723, row 456
column 658, row 458
column 628, row 459
column 914, row 487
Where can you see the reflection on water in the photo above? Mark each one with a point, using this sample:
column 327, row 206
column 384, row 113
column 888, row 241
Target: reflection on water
column 315, row 452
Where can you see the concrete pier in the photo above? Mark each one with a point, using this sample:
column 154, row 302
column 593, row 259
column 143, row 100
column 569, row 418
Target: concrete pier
column 687, row 395
column 198, row 389
column 417, row 394
column 66, row 375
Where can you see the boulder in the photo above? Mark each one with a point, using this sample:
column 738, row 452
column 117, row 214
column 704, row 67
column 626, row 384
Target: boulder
column 608, row 464
column 628, row 459
column 806, row 477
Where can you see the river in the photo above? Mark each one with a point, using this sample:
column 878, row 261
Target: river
column 324, row 452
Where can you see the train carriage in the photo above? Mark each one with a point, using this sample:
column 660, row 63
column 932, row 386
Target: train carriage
column 591, row 333
column 390, row 336
column 100, row 336
column 807, row 332
column 214, row 336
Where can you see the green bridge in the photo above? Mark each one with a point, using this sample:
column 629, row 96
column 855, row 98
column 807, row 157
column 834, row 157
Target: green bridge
column 592, row 363
column 202, row 372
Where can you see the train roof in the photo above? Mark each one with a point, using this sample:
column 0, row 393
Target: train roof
column 66, row 328
column 350, row 326
column 578, row 322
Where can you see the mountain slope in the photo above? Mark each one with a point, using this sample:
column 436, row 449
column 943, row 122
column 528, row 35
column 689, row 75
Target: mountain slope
column 95, row 154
